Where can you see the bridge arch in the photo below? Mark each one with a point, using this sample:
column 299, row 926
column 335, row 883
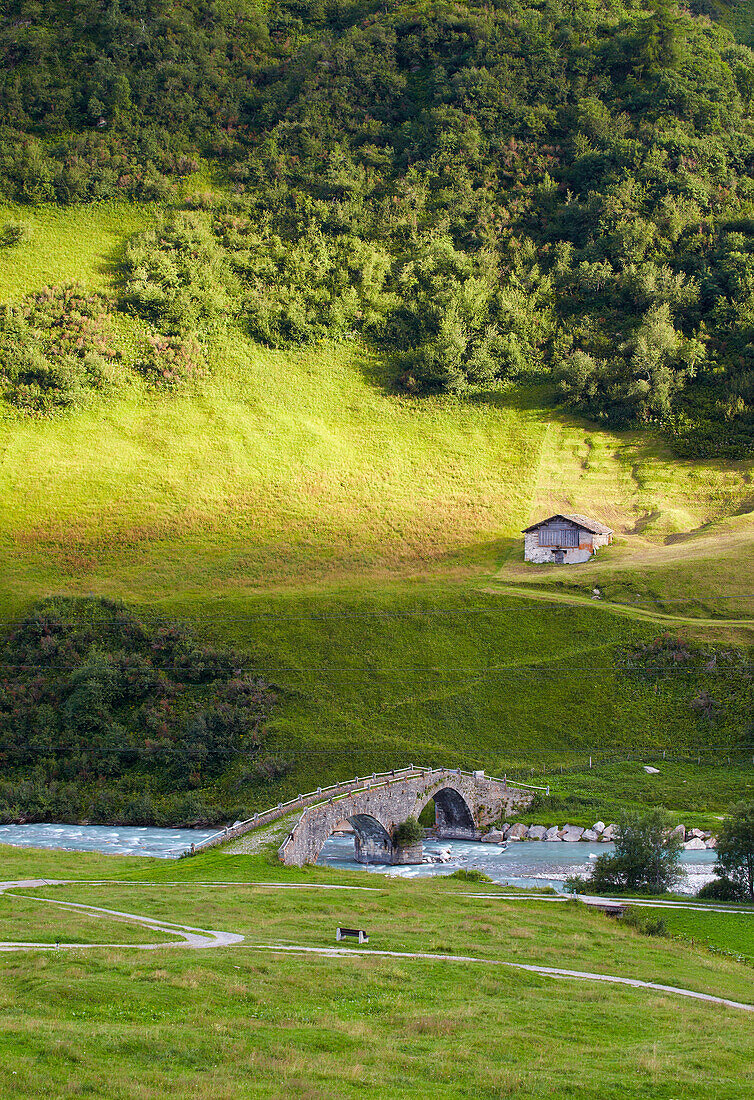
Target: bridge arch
column 453, row 815
column 372, row 841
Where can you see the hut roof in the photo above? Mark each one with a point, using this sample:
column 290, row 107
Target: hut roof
column 588, row 524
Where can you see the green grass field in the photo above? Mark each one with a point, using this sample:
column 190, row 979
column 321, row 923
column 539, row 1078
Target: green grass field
column 37, row 922
column 303, row 468
column 242, row 1021
column 79, row 244
column 696, row 793
column 730, row 932
column 291, row 468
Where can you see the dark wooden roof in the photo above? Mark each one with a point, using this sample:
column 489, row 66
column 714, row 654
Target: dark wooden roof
column 588, row 524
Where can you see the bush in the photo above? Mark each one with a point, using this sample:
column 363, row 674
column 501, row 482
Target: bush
column 13, row 233
column 647, row 926
column 316, row 287
column 574, row 884
column 407, row 833
column 56, row 347
column 722, row 889
column 169, row 361
column 470, row 874
column 177, row 274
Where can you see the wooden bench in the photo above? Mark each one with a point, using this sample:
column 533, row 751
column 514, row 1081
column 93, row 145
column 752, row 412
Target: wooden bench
column 351, row 933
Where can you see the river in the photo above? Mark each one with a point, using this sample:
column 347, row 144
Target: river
column 118, row 840
column 526, row 863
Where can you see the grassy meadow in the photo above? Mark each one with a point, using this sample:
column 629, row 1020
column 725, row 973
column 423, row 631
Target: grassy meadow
column 244, row 1021
column 41, row 923
column 363, row 549
column 730, row 932
column 78, row 244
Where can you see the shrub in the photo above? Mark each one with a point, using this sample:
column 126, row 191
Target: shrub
column 407, row 833
column 470, row 874
column 647, row 926
column 13, row 233
column 176, row 274
column 722, row 889
column 56, row 347
column 574, row 884
column 170, row 361
column 310, row 289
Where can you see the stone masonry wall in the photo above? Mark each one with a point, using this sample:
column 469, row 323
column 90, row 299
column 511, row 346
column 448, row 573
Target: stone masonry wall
column 389, row 802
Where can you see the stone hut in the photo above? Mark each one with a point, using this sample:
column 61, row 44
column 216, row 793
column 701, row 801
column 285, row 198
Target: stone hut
column 565, row 539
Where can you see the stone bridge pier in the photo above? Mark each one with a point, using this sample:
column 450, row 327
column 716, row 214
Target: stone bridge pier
column 466, row 804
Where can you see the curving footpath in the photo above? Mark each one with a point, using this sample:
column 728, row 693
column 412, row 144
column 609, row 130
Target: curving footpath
column 198, row 938
column 628, row 611
column 187, row 935
column 549, row 971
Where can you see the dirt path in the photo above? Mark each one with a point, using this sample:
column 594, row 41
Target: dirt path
column 640, row 614
column 548, row 971
column 187, row 935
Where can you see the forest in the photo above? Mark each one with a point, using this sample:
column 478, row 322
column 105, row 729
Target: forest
column 106, row 718
column 489, row 191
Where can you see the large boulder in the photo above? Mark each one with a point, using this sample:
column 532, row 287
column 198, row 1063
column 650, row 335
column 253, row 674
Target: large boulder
column 697, row 833
column 695, row 845
column 571, row 833
column 494, row 836
column 553, row 833
column 590, row 835
column 536, row 832
column 598, row 827
column 680, row 832
column 651, row 771
column 609, row 833
column 711, row 842
column 516, row 832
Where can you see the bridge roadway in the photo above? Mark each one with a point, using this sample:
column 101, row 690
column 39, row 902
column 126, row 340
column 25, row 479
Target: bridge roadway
column 465, row 804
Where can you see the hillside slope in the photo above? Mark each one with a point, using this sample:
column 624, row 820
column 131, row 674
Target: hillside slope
column 291, row 468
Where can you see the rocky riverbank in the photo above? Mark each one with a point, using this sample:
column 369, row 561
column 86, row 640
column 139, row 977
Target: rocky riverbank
column 599, row 833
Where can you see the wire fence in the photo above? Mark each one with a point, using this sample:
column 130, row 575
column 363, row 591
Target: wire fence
column 589, row 760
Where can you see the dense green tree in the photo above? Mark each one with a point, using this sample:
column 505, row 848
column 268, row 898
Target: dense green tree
column 646, row 856
column 735, row 849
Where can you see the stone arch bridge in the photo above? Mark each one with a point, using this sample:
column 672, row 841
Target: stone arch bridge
column 465, row 804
